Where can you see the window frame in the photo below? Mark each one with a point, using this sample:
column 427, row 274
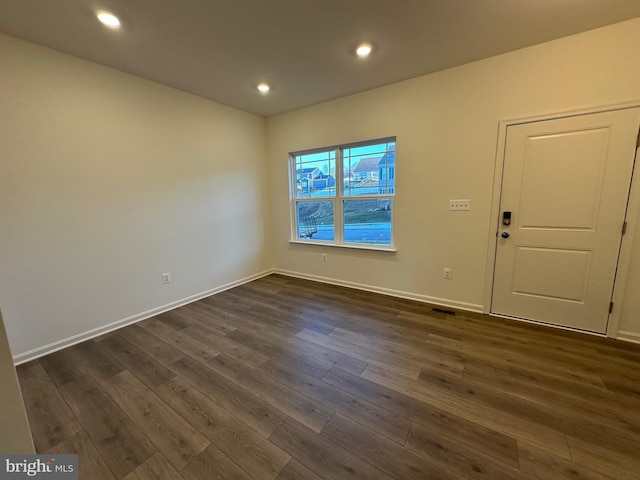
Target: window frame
column 339, row 198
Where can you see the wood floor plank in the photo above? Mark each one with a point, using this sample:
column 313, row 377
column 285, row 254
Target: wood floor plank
column 90, row 462
column 573, row 351
column 289, row 315
column 344, row 320
column 296, row 345
column 99, row 364
column 342, row 360
column 297, row 471
column 200, row 313
column 62, row 367
column 565, row 416
column 386, row 422
column 144, row 367
column 472, row 435
column 469, row 461
column 226, row 345
column 273, row 303
column 244, row 313
column 120, row 442
column 175, row 438
column 473, row 355
column 152, row 345
column 544, row 465
column 381, row 395
column 288, row 322
column 301, row 407
column 173, row 319
column 241, row 443
column 155, row 468
column 403, row 365
column 604, row 460
column 492, row 418
column 530, row 358
column 433, row 324
column 586, row 403
column 213, row 464
column 423, row 355
column 49, row 416
column 298, row 305
column 322, row 456
column 252, row 410
column 542, row 381
column 270, row 285
column 393, row 459
column 625, row 384
column 217, row 313
column 179, row 340
column 276, row 351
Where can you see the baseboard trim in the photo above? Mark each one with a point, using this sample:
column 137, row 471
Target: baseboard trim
column 96, row 332
column 469, row 307
column 628, row 336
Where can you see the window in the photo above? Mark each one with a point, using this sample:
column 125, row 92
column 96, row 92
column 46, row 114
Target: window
column 344, row 195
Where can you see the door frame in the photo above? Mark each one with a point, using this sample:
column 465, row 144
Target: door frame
column 631, row 217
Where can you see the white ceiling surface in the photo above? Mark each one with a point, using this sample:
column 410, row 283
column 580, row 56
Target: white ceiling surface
column 221, row 49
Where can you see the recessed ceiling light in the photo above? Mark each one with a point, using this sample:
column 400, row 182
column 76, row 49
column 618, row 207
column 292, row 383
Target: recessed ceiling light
column 108, row 19
column 263, row 87
column 363, row 50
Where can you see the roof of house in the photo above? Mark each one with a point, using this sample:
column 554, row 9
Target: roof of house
column 306, row 170
column 368, row 165
column 388, row 158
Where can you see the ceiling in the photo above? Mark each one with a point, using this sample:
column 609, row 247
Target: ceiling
column 221, row 49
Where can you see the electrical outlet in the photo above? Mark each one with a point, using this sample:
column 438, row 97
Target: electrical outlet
column 447, row 273
column 325, row 257
column 166, row 277
column 459, row 205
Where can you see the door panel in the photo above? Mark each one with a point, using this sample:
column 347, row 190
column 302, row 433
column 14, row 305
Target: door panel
column 551, row 273
column 573, row 158
column 566, row 182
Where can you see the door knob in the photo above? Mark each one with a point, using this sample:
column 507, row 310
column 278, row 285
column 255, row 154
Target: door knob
column 505, row 234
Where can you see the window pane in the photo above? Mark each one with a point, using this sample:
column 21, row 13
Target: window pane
column 367, row 221
column 315, row 174
column 315, row 220
column 370, row 169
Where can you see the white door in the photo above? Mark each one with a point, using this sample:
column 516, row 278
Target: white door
column 566, row 183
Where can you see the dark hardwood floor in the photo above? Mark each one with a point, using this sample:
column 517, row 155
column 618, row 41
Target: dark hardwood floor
column 289, row 379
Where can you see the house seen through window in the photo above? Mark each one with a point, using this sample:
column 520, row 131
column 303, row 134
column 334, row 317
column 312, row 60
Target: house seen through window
column 344, row 195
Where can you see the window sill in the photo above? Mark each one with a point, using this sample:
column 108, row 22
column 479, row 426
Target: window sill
column 342, row 245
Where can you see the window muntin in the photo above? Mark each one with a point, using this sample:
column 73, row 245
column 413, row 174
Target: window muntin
column 344, row 195
column 315, row 174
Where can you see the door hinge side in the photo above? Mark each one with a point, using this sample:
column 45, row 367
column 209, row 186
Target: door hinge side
column 624, row 228
column 610, row 307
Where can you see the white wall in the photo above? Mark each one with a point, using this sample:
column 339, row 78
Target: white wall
column 446, row 126
column 106, row 181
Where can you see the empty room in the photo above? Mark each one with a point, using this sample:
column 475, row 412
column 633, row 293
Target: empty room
column 320, row 239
